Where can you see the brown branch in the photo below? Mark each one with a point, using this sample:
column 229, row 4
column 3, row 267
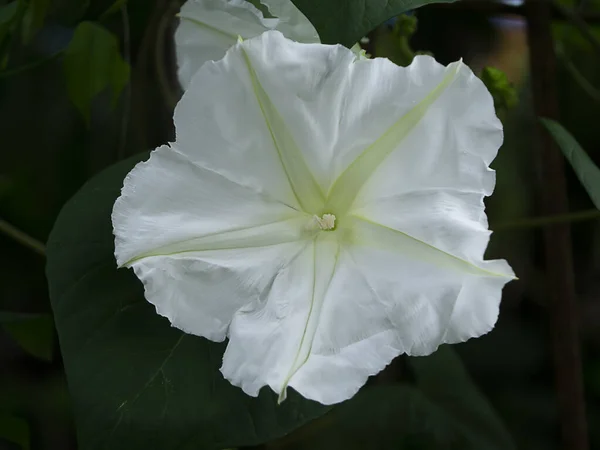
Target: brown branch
column 545, row 221
column 558, row 253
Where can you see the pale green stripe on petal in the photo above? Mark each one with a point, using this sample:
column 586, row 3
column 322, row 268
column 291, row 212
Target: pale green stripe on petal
column 303, row 184
column 326, row 251
column 208, row 27
column 281, row 232
column 348, row 185
column 375, row 235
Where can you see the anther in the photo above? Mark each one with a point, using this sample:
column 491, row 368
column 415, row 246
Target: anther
column 327, row 222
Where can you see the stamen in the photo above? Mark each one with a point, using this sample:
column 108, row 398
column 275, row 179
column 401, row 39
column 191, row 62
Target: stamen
column 327, row 222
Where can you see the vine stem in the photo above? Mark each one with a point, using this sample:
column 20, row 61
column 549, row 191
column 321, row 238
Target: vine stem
column 31, row 65
column 544, row 221
column 22, row 237
column 552, row 194
column 583, row 82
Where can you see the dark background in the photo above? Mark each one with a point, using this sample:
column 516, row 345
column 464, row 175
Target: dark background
column 47, row 152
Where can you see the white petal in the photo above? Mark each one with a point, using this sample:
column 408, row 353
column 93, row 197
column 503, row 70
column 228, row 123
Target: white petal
column 339, row 106
column 201, row 243
column 209, row 28
column 271, row 129
column 353, row 340
column 228, row 122
column 199, row 292
column 310, row 86
column 271, row 341
column 450, row 220
column 450, row 147
column 432, row 296
column 348, row 108
column 168, row 200
column 382, row 302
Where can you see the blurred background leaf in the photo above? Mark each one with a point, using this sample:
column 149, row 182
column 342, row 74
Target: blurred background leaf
column 14, row 430
column 33, row 332
column 114, row 8
column 86, row 77
column 34, row 18
column 504, row 93
column 9, row 17
column 584, row 167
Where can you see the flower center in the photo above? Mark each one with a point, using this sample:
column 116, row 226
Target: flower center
column 326, row 222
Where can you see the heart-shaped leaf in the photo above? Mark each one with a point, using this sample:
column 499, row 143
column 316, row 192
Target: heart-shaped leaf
column 93, row 62
column 441, row 410
column 346, row 21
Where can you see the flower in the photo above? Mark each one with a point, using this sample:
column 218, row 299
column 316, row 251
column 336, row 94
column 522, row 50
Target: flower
column 323, row 213
column 208, row 28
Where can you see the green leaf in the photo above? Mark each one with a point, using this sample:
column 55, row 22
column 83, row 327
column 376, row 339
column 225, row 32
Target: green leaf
column 33, row 332
column 346, row 21
column 137, row 382
column 585, row 169
column 34, row 18
column 403, row 31
column 444, row 381
column 16, row 430
column 9, row 15
column 93, row 62
column 442, row 410
column 115, row 7
column 5, row 185
column 504, row 93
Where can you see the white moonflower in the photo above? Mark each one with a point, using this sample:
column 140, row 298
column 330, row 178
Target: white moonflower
column 208, row 28
column 323, row 213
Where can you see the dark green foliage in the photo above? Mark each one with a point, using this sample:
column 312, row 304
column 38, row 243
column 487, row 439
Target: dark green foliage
column 136, row 382
column 34, row 18
column 504, row 93
column 9, row 18
column 87, row 76
column 442, row 410
column 346, row 21
column 33, row 332
column 585, row 169
column 14, row 430
column 114, row 8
